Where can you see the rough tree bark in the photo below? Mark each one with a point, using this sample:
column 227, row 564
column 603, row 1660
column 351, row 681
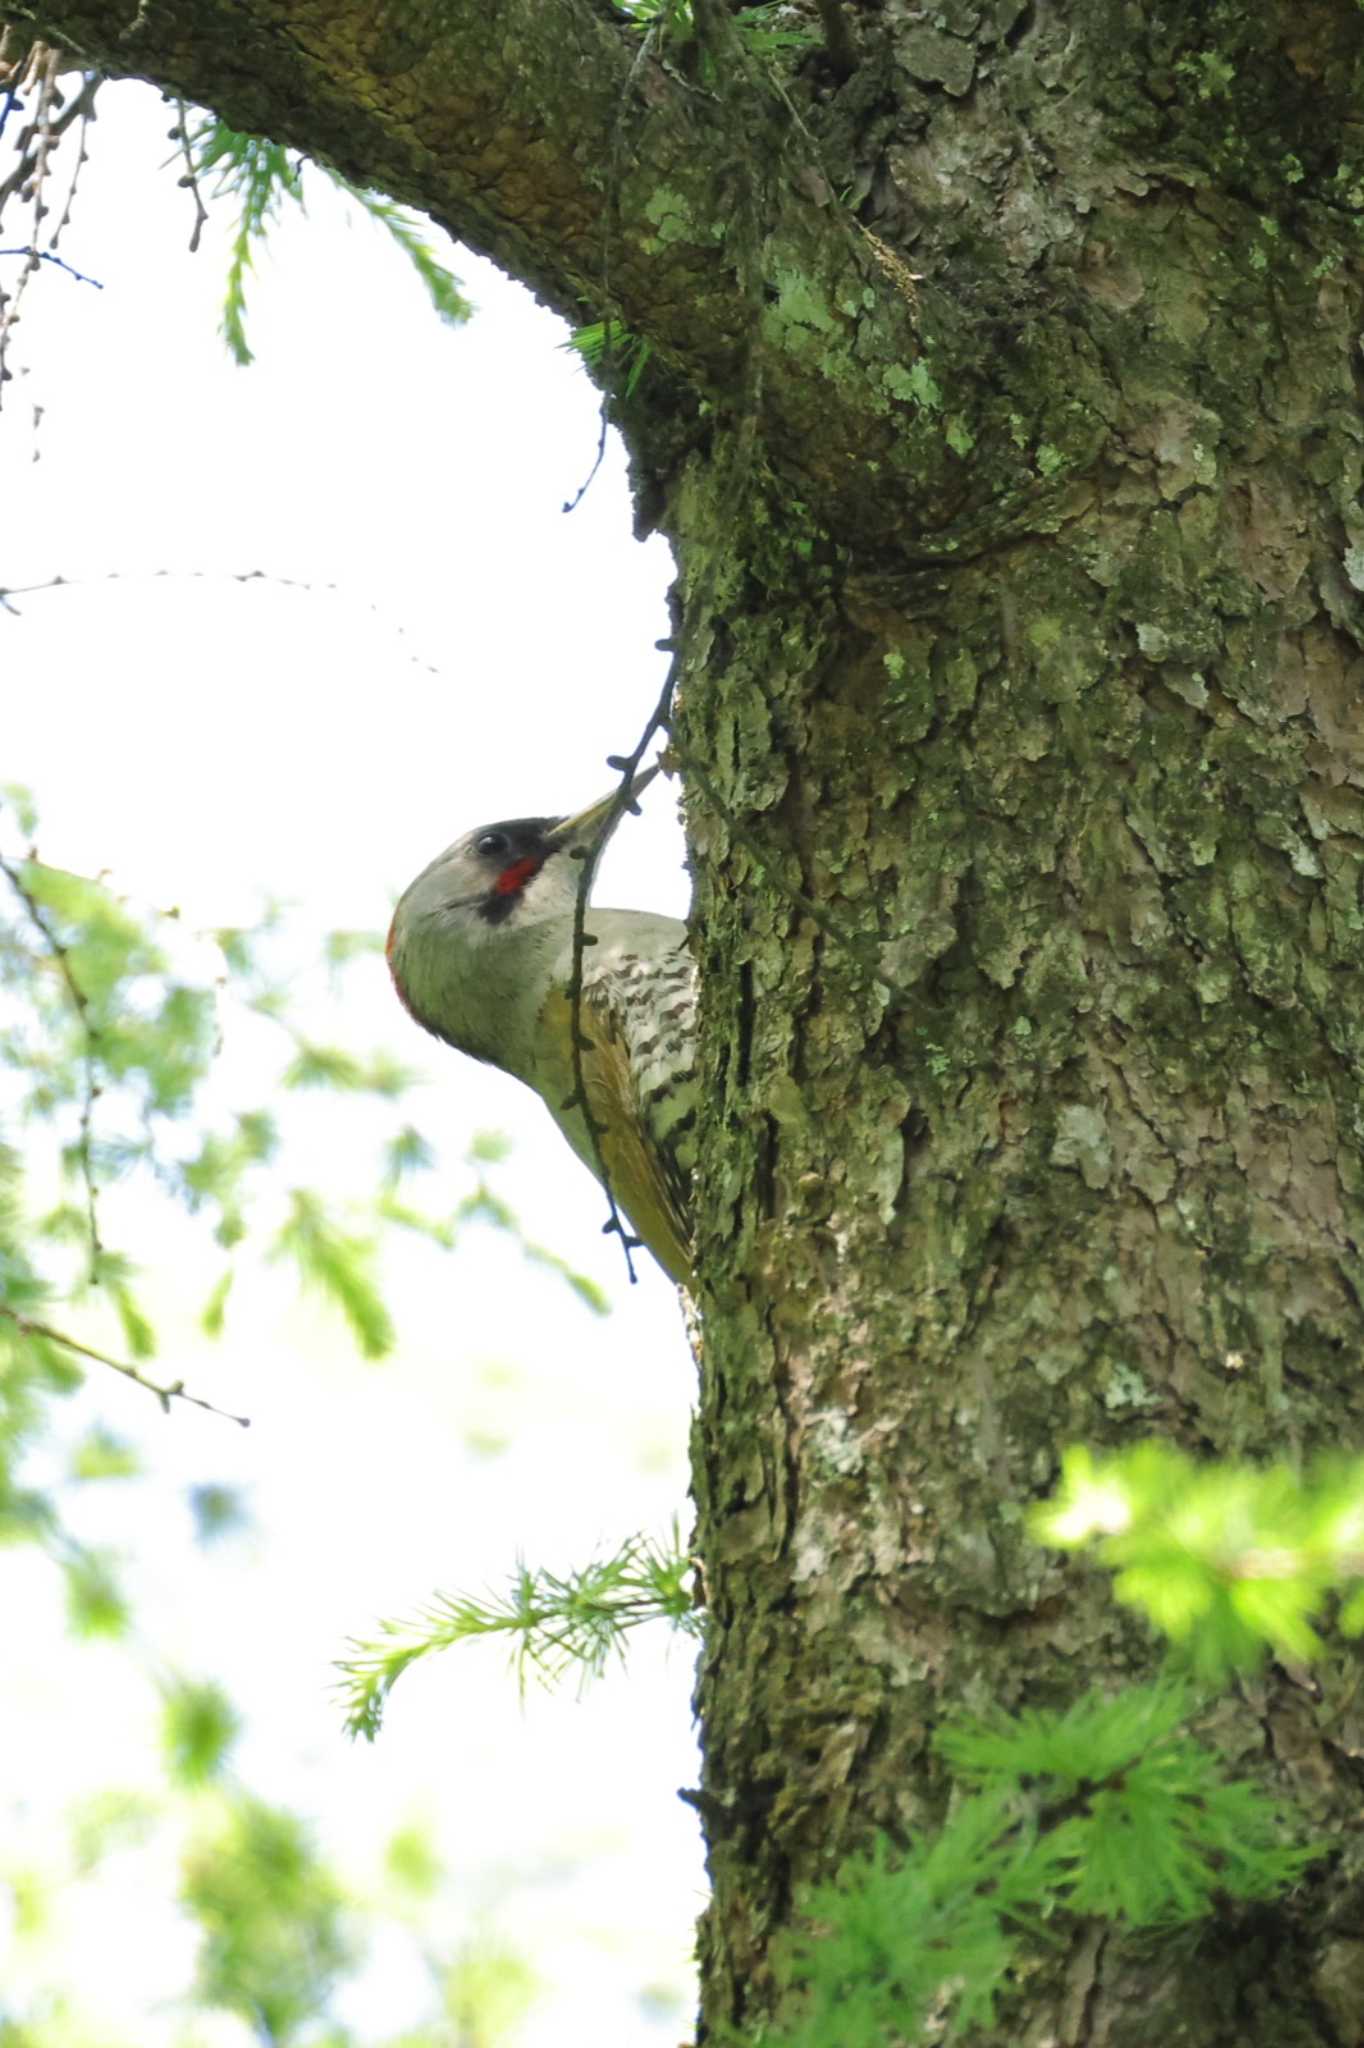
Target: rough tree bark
column 1019, row 601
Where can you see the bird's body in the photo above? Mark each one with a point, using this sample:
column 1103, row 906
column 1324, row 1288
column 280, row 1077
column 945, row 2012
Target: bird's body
column 481, row 950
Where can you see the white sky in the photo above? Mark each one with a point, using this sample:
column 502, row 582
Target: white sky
column 212, row 743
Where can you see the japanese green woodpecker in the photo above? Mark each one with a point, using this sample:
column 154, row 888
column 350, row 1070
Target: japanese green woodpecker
column 481, row 952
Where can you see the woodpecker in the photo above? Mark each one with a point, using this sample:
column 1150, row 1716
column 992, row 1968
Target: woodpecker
column 481, row 953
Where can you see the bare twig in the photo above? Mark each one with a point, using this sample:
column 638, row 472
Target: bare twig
column 36, row 256
column 29, row 175
column 628, row 767
column 572, row 504
column 38, row 918
column 190, row 179
column 711, row 22
column 741, row 86
column 60, row 582
column 83, row 106
column 174, row 1391
column 36, row 70
column 27, row 178
column 610, row 221
column 47, row 127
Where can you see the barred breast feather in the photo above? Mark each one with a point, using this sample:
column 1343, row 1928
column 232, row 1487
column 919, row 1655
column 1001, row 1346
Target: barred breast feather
column 638, row 1012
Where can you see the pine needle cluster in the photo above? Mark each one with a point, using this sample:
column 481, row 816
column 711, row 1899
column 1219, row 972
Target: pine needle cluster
column 552, row 1624
column 1232, row 1562
column 261, row 177
column 1107, row 1809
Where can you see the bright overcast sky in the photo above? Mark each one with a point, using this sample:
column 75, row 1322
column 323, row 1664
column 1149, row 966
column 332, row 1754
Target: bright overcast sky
column 212, row 743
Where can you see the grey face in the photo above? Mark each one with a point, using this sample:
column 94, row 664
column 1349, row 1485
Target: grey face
column 509, row 855
column 495, row 872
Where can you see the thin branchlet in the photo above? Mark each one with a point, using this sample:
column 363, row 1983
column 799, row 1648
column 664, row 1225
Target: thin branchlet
column 610, row 220
column 741, row 87
column 62, row 582
column 80, row 1003
column 37, row 256
column 189, row 177
column 628, row 767
column 82, row 107
column 173, row 1390
column 660, row 717
column 37, row 71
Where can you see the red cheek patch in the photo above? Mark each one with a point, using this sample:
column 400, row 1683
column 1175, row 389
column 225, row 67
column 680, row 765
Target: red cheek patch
column 516, row 876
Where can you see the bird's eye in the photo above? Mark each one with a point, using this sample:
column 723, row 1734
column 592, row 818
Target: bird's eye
column 494, row 844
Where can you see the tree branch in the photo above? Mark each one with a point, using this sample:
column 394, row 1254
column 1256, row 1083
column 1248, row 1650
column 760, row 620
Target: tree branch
column 522, row 127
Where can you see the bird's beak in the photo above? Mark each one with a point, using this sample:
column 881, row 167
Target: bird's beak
column 591, row 828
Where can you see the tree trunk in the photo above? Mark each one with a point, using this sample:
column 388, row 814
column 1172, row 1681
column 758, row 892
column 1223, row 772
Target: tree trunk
column 1003, row 408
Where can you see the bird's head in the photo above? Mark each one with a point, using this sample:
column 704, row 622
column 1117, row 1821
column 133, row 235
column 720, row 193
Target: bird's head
column 495, row 881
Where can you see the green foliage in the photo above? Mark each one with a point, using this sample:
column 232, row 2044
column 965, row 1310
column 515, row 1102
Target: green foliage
column 412, row 1862
column 216, row 1176
column 408, row 1152
column 612, row 351
column 138, row 1334
column 341, row 1265
column 766, row 30
column 107, row 1011
column 489, row 1148
column 278, row 1929
column 110, row 1039
column 111, row 1017
column 106, row 1822
column 261, row 177
column 110, row 1023
column 102, row 1455
column 488, row 1990
column 903, row 1933
column 442, row 288
column 199, row 1725
column 1229, row 1561
column 18, row 799
column 94, row 1604
column 553, row 1624
column 340, row 948
column 483, row 1204
column 218, row 1511
column 331, row 1066
column 1106, row 1809
column 274, row 1927
column 213, row 1315
column 1149, row 1829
